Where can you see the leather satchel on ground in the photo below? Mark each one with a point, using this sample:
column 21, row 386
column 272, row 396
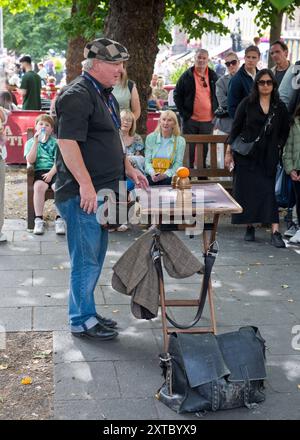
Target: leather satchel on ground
column 207, row 372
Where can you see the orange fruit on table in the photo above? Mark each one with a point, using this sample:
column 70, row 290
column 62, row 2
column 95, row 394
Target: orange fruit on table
column 183, row 172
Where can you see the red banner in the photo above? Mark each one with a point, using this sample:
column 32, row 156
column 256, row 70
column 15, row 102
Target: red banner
column 15, row 131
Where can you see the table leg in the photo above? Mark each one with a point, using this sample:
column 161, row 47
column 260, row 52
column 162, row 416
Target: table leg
column 207, row 241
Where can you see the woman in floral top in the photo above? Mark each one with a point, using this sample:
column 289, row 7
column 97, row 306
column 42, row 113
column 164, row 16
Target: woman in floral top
column 133, row 142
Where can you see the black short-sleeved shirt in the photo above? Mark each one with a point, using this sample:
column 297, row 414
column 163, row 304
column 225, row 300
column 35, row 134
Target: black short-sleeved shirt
column 83, row 117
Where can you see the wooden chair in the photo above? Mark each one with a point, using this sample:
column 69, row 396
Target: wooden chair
column 213, row 172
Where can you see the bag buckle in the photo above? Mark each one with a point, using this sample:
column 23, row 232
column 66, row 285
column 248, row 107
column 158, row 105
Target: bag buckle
column 212, row 251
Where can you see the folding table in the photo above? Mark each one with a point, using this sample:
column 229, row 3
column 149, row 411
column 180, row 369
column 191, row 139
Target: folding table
column 205, row 200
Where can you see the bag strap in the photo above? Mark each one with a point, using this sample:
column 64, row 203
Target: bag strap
column 130, row 84
column 209, row 260
column 174, row 150
column 266, row 124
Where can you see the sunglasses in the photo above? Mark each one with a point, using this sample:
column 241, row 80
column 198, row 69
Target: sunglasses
column 233, row 62
column 267, row 82
column 204, row 82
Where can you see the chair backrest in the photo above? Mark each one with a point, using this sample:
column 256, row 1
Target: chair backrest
column 214, row 169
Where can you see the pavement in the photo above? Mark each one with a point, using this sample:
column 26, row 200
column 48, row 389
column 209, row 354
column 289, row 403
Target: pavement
column 254, row 284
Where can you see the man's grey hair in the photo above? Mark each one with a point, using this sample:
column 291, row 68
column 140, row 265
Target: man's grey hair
column 201, row 51
column 87, row 64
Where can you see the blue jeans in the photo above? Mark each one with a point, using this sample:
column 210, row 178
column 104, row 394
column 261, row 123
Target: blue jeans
column 87, row 243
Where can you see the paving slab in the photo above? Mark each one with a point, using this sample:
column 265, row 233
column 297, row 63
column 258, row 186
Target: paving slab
column 9, row 278
column 85, row 381
column 107, row 409
column 16, row 319
column 40, row 296
column 284, row 374
column 35, row 262
column 56, row 318
column 127, row 346
column 138, row 378
column 48, row 236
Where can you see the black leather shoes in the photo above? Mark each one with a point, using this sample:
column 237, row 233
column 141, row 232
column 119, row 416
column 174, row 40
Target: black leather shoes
column 276, row 240
column 107, row 322
column 99, row 332
column 250, row 234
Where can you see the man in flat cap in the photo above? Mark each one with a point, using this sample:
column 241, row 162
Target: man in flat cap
column 90, row 158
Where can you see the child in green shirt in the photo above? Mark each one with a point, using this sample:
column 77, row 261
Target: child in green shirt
column 40, row 151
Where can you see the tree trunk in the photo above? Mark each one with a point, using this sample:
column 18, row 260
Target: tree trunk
column 74, row 57
column 275, row 31
column 76, row 44
column 139, row 34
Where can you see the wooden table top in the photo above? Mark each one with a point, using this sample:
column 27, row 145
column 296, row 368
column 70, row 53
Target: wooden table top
column 207, row 198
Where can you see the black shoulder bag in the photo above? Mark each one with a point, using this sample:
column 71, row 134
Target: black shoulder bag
column 207, row 372
column 240, row 146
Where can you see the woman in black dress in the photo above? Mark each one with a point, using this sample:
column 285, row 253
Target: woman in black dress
column 254, row 175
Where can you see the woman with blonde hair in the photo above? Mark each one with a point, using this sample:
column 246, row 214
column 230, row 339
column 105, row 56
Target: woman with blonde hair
column 164, row 150
column 133, row 142
column 127, row 95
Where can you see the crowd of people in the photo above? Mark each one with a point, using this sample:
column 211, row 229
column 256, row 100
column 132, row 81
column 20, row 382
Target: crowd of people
column 97, row 146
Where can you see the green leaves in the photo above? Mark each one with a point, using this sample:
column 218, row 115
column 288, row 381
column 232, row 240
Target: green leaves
column 35, row 33
column 281, row 4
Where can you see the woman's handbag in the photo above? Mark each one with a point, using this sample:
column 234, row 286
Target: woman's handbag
column 240, row 146
column 207, row 372
column 283, row 187
column 162, row 164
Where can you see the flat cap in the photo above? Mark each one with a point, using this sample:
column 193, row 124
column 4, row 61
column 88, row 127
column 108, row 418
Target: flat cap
column 106, row 50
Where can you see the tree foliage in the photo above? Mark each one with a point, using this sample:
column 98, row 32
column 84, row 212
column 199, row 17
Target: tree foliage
column 35, row 34
column 267, row 10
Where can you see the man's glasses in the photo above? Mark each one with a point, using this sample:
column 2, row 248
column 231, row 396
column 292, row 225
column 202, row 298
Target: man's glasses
column 267, row 82
column 233, row 62
column 204, row 82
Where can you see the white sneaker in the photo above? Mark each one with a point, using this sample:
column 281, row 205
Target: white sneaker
column 291, row 231
column 295, row 238
column 122, row 228
column 3, row 238
column 60, row 228
column 39, row 226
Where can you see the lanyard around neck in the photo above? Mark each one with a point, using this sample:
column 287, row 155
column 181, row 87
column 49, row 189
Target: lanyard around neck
column 109, row 103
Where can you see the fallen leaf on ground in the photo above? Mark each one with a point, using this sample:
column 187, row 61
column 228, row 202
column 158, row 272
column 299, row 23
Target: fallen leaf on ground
column 3, row 366
column 42, row 354
column 26, row 380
